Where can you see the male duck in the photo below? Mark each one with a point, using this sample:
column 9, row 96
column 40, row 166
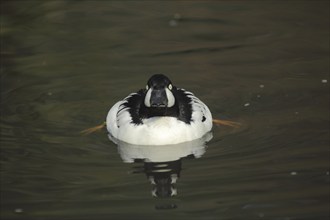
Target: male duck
column 160, row 114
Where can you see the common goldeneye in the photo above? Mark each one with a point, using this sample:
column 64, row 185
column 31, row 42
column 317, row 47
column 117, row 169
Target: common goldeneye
column 160, row 114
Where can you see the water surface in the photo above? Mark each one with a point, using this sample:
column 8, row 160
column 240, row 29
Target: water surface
column 264, row 64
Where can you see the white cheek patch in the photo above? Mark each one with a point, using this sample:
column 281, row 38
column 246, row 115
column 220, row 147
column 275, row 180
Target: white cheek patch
column 170, row 98
column 147, row 98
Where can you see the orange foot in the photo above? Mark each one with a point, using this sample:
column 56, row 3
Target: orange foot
column 93, row 129
column 226, row 123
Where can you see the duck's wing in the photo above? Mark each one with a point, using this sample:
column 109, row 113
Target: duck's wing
column 183, row 99
column 132, row 104
column 194, row 112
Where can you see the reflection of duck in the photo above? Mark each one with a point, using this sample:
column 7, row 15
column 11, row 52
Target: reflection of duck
column 164, row 153
column 163, row 176
column 160, row 114
column 162, row 164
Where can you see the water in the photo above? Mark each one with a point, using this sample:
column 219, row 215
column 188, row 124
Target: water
column 263, row 64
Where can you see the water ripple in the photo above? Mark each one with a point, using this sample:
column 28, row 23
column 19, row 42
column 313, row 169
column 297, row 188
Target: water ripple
column 198, row 50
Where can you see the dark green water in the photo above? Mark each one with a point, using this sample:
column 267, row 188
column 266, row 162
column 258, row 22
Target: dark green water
column 262, row 63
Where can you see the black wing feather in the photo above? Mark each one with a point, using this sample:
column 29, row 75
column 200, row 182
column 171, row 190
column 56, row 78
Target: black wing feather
column 184, row 105
column 133, row 104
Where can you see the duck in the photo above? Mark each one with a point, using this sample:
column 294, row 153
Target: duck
column 159, row 114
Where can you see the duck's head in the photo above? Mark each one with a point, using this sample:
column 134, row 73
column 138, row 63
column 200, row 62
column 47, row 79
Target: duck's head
column 159, row 92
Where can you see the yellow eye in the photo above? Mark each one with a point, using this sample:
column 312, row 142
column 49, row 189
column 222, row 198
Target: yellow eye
column 147, row 87
column 170, row 87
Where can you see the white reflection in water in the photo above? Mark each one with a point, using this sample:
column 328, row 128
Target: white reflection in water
column 162, row 163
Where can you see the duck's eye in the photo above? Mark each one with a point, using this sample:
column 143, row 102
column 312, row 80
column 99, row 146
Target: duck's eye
column 147, row 87
column 170, row 87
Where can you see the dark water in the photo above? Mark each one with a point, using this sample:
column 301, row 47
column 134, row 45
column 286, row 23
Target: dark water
column 262, row 63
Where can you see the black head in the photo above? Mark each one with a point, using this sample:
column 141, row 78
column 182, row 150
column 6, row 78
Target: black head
column 159, row 92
